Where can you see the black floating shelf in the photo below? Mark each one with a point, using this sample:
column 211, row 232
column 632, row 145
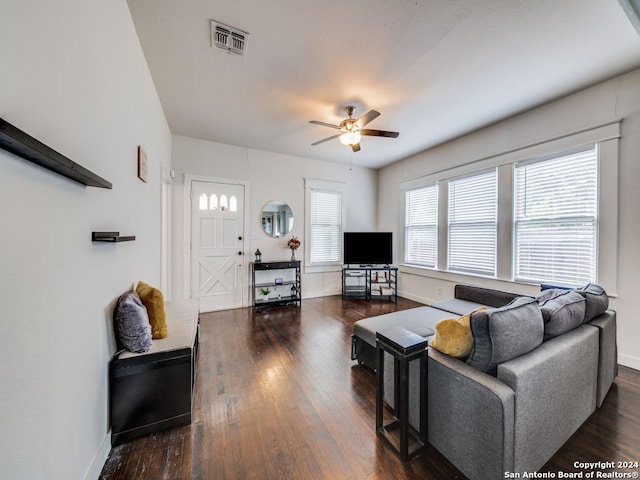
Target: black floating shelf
column 20, row 143
column 110, row 237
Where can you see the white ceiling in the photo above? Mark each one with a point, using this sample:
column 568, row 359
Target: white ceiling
column 434, row 69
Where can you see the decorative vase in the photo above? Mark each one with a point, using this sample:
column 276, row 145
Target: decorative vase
column 293, row 255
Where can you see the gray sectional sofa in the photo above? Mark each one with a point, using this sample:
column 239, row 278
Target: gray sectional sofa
column 539, row 367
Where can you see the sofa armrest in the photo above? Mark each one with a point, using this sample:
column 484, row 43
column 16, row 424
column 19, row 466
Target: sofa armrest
column 471, row 417
column 555, row 391
column 608, row 355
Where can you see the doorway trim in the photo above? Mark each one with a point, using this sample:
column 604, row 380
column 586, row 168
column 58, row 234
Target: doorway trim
column 166, row 248
column 186, row 254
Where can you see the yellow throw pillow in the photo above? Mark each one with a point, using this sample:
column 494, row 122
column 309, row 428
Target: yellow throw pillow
column 154, row 302
column 453, row 336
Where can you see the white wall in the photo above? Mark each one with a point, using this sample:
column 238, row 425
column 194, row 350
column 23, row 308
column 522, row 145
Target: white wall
column 614, row 99
column 74, row 77
column 269, row 176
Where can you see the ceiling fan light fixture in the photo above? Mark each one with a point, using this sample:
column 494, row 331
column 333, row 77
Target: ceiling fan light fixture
column 350, row 138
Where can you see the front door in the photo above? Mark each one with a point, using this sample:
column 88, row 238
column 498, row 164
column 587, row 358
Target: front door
column 217, row 242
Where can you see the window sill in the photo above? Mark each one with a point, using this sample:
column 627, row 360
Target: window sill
column 322, row 268
column 459, row 277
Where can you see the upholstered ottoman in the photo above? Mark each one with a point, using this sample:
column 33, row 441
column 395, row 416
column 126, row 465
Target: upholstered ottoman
column 420, row 320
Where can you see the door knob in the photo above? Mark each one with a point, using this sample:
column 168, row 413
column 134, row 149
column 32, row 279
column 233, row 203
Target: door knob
column 240, row 253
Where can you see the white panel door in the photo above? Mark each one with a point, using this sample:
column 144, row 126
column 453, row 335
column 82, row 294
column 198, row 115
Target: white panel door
column 217, row 244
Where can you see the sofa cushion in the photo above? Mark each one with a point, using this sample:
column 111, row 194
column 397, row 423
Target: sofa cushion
column 453, row 336
column 597, row 300
column 131, row 324
column 457, row 306
column 154, row 302
column 500, row 334
column 419, row 320
column 562, row 310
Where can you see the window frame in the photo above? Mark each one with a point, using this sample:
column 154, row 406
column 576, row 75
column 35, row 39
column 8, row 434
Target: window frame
column 491, row 223
column 587, row 218
column 428, row 224
column 338, row 188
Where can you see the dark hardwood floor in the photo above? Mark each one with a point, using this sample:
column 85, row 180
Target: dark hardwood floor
column 278, row 397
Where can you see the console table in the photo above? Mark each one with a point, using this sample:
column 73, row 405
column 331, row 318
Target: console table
column 281, row 280
column 404, row 346
column 370, row 282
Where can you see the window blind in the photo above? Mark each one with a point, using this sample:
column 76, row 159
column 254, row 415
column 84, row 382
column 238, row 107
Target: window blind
column 556, row 205
column 473, row 211
column 326, row 226
column 421, row 226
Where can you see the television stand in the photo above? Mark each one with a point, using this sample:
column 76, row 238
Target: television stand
column 370, row 282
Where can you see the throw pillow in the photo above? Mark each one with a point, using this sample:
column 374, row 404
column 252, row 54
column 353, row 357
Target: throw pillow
column 597, row 300
column 154, row 302
column 562, row 312
column 453, row 336
column 500, row 334
column 131, row 324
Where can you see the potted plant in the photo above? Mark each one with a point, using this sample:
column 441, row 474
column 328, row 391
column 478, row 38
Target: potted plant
column 264, row 294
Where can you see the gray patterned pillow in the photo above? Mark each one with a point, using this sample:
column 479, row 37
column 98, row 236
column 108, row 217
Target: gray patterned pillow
column 562, row 312
column 131, row 324
column 500, row 334
column 597, row 300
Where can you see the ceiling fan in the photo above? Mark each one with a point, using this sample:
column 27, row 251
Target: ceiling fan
column 351, row 129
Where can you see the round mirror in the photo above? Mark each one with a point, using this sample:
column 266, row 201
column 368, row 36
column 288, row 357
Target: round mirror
column 276, row 219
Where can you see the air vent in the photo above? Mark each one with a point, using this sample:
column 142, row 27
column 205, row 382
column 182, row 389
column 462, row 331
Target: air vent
column 228, row 38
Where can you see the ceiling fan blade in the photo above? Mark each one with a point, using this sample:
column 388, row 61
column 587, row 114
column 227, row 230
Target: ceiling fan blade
column 315, row 122
column 379, row 133
column 356, row 147
column 366, row 118
column 325, row 139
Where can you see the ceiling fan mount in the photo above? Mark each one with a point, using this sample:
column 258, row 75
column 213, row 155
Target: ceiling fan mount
column 352, row 130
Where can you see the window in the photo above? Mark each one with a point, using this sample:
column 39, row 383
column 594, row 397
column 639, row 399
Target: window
column 202, row 202
column 543, row 213
column 326, row 226
column 421, row 226
column 213, row 202
column 473, row 216
column 325, row 214
column 555, row 220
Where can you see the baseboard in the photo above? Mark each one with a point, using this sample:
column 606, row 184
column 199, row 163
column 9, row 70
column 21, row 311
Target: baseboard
column 100, row 458
column 417, row 298
column 318, row 294
column 164, row 424
column 629, row 361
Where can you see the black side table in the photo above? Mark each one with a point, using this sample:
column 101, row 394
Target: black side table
column 404, row 346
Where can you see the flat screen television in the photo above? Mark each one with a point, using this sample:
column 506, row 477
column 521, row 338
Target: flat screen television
column 367, row 248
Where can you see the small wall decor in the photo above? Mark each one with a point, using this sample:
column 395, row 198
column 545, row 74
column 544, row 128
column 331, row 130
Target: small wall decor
column 142, row 164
